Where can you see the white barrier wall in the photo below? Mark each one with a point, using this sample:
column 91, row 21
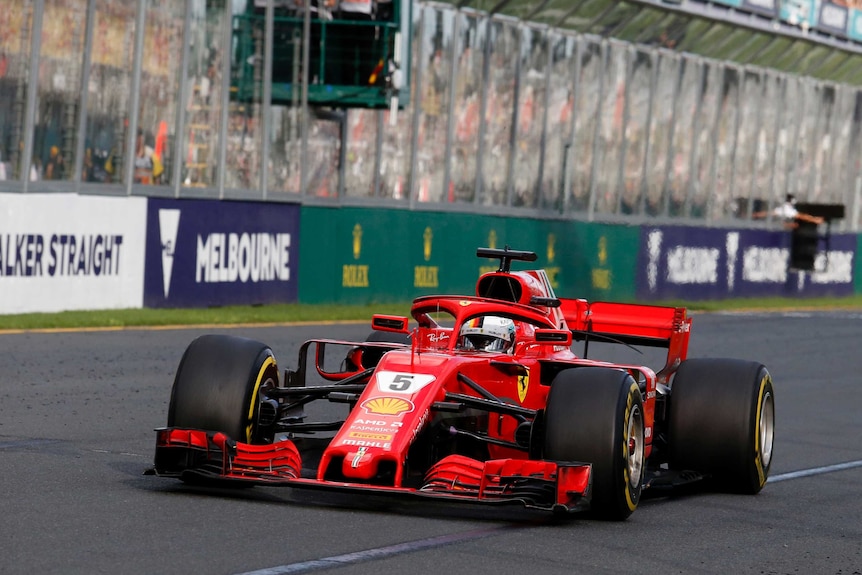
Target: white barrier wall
column 63, row 252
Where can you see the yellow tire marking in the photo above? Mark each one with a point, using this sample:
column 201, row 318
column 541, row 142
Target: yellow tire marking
column 269, row 361
column 629, row 500
column 758, row 460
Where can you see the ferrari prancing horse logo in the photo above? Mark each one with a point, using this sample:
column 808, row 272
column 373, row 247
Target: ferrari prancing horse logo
column 523, row 384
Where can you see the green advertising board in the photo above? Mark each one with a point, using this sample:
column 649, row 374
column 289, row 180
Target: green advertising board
column 368, row 255
column 593, row 261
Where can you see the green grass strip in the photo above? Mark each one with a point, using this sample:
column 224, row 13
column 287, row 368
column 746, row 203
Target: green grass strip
column 301, row 313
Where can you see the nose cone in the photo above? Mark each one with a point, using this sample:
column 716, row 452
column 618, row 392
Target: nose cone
column 359, row 464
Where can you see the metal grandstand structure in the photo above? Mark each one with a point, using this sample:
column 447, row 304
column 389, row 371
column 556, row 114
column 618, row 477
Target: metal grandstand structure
column 682, row 110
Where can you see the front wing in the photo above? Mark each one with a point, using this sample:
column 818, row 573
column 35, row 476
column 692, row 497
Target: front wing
column 546, row 485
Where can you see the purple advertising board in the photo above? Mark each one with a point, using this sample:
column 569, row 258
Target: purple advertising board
column 202, row 253
column 695, row 263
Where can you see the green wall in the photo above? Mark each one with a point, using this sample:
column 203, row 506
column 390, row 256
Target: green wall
column 366, row 255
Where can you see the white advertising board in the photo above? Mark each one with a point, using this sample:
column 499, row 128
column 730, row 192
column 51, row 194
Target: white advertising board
column 62, row 252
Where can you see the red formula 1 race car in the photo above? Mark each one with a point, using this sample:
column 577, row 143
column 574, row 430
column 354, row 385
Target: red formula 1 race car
column 481, row 400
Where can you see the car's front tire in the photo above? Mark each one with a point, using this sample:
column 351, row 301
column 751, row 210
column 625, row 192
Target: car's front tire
column 218, row 387
column 596, row 415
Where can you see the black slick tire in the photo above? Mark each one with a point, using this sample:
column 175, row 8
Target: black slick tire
column 218, row 383
column 722, row 422
column 596, row 415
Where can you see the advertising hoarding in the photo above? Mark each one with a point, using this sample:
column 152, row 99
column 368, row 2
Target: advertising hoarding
column 61, row 252
column 203, row 253
column 679, row 262
column 833, row 19
column 379, row 255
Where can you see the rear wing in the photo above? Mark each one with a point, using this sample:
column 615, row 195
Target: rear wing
column 632, row 324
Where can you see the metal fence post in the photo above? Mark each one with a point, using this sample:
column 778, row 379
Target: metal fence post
column 266, row 111
column 516, row 119
column 227, row 28
column 134, row 104
column 483, row 105
column 713, row 170
column 648, row 144
column 570, row 145
column 177, row 167
column 32, row 89
column 81, row 143
column 417, row 108
column 597, row 135
column 538, row 198
column 791, row 176
column 306, row 49
column 450, row 115
column 694, row 151
column 630, row 55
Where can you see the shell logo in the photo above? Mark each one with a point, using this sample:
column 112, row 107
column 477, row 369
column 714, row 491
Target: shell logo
column 387, row 406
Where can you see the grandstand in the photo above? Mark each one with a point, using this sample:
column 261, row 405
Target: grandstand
column 675, row 110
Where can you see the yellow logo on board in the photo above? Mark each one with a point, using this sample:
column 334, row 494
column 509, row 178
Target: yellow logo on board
column 357, row 241
column 601, row 276
column 425, row 277
column 354, row 275
column 603, row 250
column 426, row 243
column 551, row 270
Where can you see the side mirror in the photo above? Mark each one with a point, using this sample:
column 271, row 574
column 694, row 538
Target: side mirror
column 393, row 323
column 554, row 336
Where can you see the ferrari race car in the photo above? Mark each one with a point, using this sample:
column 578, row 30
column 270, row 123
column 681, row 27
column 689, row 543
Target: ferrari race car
column 482, row 400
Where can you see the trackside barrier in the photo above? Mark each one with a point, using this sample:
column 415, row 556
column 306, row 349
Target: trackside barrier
column 204, row 253
column 63, row 252
column 72, row 252
column 364, row 255
column 677, row 262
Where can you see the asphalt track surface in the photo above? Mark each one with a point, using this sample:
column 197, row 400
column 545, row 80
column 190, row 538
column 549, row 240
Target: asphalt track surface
column 77, row 412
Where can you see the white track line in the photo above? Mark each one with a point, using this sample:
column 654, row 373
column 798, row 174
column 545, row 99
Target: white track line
column 380, row 552
column 412, row 546
column 815, row 471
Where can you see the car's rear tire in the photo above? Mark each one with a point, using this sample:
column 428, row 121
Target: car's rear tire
column 218, row 387
column 722, row 421
column 596, row 415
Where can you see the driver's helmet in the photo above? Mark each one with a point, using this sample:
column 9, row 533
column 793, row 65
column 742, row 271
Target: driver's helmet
column 487, row 333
